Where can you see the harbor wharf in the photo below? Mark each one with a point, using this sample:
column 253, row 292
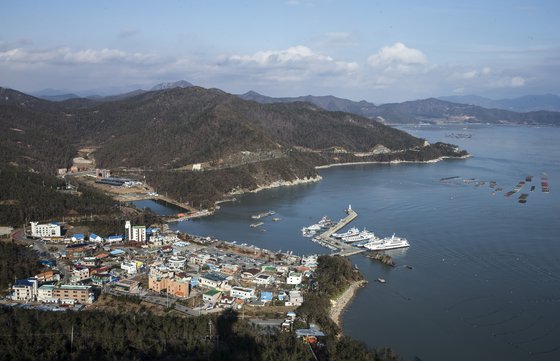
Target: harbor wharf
column 341, row 224
column 345, row 248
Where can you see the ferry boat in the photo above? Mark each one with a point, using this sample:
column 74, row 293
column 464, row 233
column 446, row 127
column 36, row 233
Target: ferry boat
column 387, row 243
column 364, row 235
column 351, row 232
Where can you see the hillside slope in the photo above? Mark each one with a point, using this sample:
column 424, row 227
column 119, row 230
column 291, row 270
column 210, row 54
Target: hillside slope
column 163, row 135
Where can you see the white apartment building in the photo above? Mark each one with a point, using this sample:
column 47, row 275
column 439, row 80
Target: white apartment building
column 45, row 230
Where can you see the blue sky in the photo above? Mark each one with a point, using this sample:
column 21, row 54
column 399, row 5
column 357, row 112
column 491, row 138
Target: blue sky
column 379, row 51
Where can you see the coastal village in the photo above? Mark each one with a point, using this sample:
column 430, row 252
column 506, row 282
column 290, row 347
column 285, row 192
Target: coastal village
column 161, row 267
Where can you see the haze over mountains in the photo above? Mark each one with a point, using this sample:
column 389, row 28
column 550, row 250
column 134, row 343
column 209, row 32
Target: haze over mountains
column 526, row 103
column 530, row 110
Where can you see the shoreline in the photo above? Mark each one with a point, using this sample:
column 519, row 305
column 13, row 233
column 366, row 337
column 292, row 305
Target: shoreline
column 339, row 305
column 276, row 184
column 326, row 166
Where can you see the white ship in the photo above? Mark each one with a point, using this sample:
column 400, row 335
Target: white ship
column 364, row 235
column 351, row 232
column 387, row 243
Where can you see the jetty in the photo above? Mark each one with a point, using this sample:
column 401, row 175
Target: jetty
column 351, row 215
column 345, row 248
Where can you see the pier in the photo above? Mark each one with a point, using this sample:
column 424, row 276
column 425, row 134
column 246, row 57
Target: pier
column 345, row 248
column 326, row 236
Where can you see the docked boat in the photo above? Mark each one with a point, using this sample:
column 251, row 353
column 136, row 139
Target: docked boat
column 364, row 235
column 392, row 242
column 351, row 232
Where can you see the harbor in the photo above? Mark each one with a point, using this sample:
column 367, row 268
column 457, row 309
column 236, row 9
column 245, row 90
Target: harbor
column 353, row 241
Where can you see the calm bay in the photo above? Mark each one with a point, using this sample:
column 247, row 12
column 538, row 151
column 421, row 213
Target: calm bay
column 484, row 275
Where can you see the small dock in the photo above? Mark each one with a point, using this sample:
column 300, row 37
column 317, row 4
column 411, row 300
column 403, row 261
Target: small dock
column 345, row 248
column 326, row 236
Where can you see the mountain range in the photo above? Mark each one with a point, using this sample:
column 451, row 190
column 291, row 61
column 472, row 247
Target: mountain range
column 527, row 103
column 429, row 110
column 198, row 144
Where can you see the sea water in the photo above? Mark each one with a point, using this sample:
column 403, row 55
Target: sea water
column 483, row 275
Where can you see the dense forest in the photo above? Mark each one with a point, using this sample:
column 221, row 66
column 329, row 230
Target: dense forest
column 16, row 261
column 27, row 196
column 93, row 335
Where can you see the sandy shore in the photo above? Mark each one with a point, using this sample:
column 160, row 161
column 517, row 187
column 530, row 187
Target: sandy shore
column 342, row 301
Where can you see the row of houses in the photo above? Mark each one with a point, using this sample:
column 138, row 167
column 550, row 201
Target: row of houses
column 28, row 290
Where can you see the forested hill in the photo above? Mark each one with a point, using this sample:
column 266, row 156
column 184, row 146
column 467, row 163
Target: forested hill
column 165, row 132
column 431, row 110
column 434, row 110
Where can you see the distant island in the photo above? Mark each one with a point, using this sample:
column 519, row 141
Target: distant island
column 529, row 110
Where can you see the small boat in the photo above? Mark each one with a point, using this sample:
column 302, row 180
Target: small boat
column 381, row 280
column 275, row 219
column 523, row 198
column 255, row 225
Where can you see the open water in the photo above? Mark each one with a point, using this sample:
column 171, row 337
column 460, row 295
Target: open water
column 485, row 277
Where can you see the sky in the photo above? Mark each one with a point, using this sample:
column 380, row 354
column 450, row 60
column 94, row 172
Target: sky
column 379, row 51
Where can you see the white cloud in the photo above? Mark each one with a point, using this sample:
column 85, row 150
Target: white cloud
column 397, row 55
column 295, row 63
column 20, row 57
column 517, row 82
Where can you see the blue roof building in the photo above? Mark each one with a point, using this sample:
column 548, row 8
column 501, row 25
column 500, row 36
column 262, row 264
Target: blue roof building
column 266, row 296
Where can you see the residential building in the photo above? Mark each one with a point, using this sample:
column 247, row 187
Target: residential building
column 45, row 294
column 266, row 297
column 177, row 262
column 296, row 299
column 230, row 269
column 45, row 230
column 114, row 239
column 78, row 237
column 213, row 280
column 95, row 238
column 47, row 276
column 135, row 233
column 294, row 278
column 176, row 286
column 162, row 279
column 74, row 294
column 250, row 273
column 212, row 296
column 226, row 301
column 129, row 286
column 264, row 279
column 129, row 267
column 79, row 251
column 79, row 274
column 25, row 290
column 242, row 293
